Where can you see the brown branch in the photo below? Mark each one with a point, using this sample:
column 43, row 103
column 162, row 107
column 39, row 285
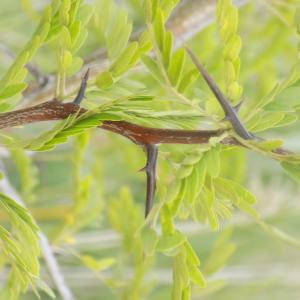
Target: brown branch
column 141, row 135
column 56, row 110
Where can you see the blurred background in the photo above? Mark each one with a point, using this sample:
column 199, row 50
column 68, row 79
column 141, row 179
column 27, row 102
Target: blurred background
column 92, row 250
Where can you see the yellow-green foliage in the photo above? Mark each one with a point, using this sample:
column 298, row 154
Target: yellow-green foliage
column 147, row 80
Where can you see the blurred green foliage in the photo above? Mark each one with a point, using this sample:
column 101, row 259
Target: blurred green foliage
column 86, row 193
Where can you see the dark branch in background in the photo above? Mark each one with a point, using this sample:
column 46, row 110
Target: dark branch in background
column 141, row 135
column 41, row 79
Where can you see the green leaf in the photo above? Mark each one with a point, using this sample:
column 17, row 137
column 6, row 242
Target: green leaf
column 75, row 29
column 220, row 254
column 288, row 119
column 208, row 199
column 28, row 173
column 185, row 171
column 180, row 276
column 195, row 181
column 152, row 66
column 45, row 288
column 97, row 265
column 196, row 276
column 279, row 234
column 67, row 59
column 13, row 71
column 126, row 59
column 159, row 29
column 176, row 203
column 105, row 80
column 64, row 38
column 114, row 27
column 292, row 170
column 191, row 255
column 212, row 159
column 233, row 48
column 85, row 13
column 21, row 249
column 166, row 221
column 12, row 90
column 168, row 46
column 79, row 41
column 186, row 293
column 181, row 268
column 47, row 136
column 145, row 42
column 187, row 79
column 232, row 190
column 267, row 121
column 270, row 145
column 170, row 242
column 176, row 67
column 291, row 79
column 77, row 63
column 149, row 239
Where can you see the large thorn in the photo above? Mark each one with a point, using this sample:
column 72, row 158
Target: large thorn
column 150, row 168
column 230, row 112
column 81, row 93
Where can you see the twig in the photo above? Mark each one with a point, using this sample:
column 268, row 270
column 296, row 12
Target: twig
column 141, row 135
column 56, row 110
column 50, row 260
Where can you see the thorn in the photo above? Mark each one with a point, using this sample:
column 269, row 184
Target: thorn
column 229, row 110
column 81, row 93
column 150, row 168
column 142, row 169
column 226, row 118
column 238, row 106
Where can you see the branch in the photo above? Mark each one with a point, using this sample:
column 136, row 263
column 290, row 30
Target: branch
column 56, row 110
column 141, row 135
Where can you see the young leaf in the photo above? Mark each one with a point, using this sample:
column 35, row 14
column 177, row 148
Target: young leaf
column 12, row 90
column 97, row 265
column 176, row 67
column 170, row 242
column 149, row 239
column 292, row 170
column 196, row 276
